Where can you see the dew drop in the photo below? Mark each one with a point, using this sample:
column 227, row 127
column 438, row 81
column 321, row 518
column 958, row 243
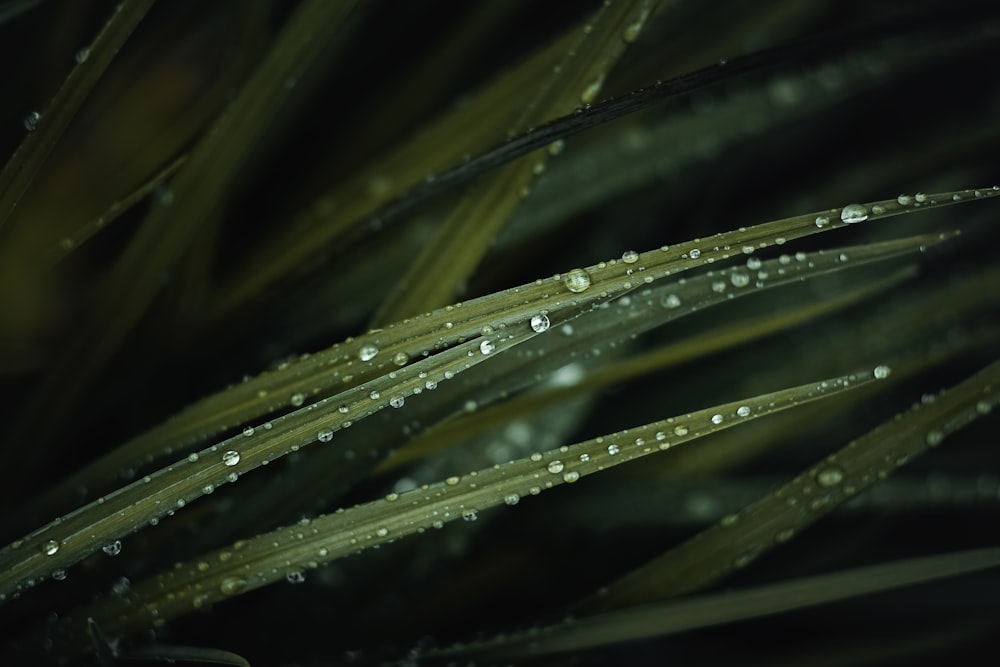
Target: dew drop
column 613, row 449
column 247, row 431
column 374, row 395
column 232, row 585
column 934, row 438
column 326, row 435
column 540, row 323
column 743, row 411
column 31, row 121
column 830, row 476
column 231, row 458
column 717, row 419
column 822, row 221
column 367, row 352
column 59, row 575
column 754, row 263
column 469, row 515
column 671, row 301
column 82, row 55
column 112, row 548
column 694, row 254
column 298, row 399
column 881, row 372
column 400, row 358
column 920, row 197
column 512, row 499
column 739, row 279
column 904, row 200
column 853, row 213
column 397, row 401
column 487, row 346
column 680, row 430
column 577, row 280
column 630, row 257
column 555, row 467
column 50, row 548
column 571, row 476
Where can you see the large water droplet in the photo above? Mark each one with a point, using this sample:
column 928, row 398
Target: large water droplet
column 630, row 257
column 540, row 323
column 400, row 358
column 555, row 467
column 112, row 548
column 577, row 280
column 232, row 585
column 487, row 346
column 50, row 548
column 231, row 458
column 326, row 435
column 367, row 352
column 853, row 213
column 881, row 372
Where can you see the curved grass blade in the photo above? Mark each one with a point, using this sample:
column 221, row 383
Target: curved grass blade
column 47, row 127
column 741, row 538
column 250, row 564
column 714, row 609
column 381, row 352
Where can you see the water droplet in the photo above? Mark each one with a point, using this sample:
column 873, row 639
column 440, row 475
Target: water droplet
column 487, row 346
column 680, row 430
column 112, row 548
column 298, row 399
column 920, row 197
column 326, row 435
column 540, row 323
column 59, row 575
column 671, row 301
column 717, row 419
column 374, row 395
column 555, row 467
column 231, row 458
column 452, row 481
column 694, row 254
column 400, row 358
column 934, row 438
column 822, row 221
column 630, row 257
column 830, row 476
column 397, row 401
column 577, row 280
column 743, row 411
column 754, row 263
column 571, row 476
column 232, row 585
column 613, row 449
column 853, row 213
column 50, row 548
column 193, row 457
column 247, row 431
column 512, row 499
column 367, row 352
column 739, row 279
column 82, row 55
column 904, row 200
column 881, row 372
column 31, row 121
column 382, row 531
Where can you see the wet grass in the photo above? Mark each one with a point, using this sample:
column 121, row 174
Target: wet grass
column 337, row 332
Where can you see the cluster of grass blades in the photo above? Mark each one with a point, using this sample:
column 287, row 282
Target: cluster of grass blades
column 449, row 333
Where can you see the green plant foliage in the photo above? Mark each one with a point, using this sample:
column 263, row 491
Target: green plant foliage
column 407, row 307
